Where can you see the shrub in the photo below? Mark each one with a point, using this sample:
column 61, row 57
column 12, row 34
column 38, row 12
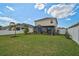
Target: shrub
column 26, row 30
column 67, row 35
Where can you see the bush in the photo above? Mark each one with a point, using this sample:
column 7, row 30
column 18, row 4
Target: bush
column 26, row 30
column 67, row 35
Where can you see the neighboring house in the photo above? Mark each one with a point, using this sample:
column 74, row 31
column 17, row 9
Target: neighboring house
column 22, row 26
column 61, row 30
column 46, row 25
column 31, row 29
column 5, row 27
column 0, row 27
column 74, row 32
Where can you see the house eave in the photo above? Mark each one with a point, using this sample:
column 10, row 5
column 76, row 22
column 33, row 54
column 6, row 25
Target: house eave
column 46, row 19
column 77, row 24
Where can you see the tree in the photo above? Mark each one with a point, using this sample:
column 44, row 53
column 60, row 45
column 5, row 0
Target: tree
column 26, row 29
column 12, row 26
column 67, row 34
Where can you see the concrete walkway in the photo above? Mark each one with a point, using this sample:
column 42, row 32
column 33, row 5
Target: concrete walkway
column 6, row 32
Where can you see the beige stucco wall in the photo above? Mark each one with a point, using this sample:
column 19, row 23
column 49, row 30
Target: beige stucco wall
column 46, row 22
column 31, row 30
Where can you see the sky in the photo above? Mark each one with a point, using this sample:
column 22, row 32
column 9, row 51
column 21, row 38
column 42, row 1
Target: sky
column 67, row 14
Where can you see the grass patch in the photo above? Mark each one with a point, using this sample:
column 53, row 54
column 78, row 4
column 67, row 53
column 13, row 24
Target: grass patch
column 37, row 45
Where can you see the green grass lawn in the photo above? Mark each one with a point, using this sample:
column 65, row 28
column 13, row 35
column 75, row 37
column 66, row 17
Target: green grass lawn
column 34, row 45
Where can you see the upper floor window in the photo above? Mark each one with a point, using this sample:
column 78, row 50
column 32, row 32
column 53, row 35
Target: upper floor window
column 51, row 21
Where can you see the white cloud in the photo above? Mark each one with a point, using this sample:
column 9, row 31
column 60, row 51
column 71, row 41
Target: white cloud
column 7, row 19
column 72, row 13
column 29, row 19
column 68, row 19
column 77, row 7
column 45, row 10
column 10, row 8
column 62, row 10
column 40, row 6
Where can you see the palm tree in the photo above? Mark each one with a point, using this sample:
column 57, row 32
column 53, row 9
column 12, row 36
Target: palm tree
column 12, row 26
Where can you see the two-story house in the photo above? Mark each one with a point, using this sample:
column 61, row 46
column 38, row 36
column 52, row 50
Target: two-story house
column 46, row 25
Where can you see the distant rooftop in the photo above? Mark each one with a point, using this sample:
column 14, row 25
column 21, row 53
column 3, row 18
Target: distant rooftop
column 61, row 28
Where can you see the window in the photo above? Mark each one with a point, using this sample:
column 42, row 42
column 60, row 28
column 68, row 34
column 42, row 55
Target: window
column 51, row 21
